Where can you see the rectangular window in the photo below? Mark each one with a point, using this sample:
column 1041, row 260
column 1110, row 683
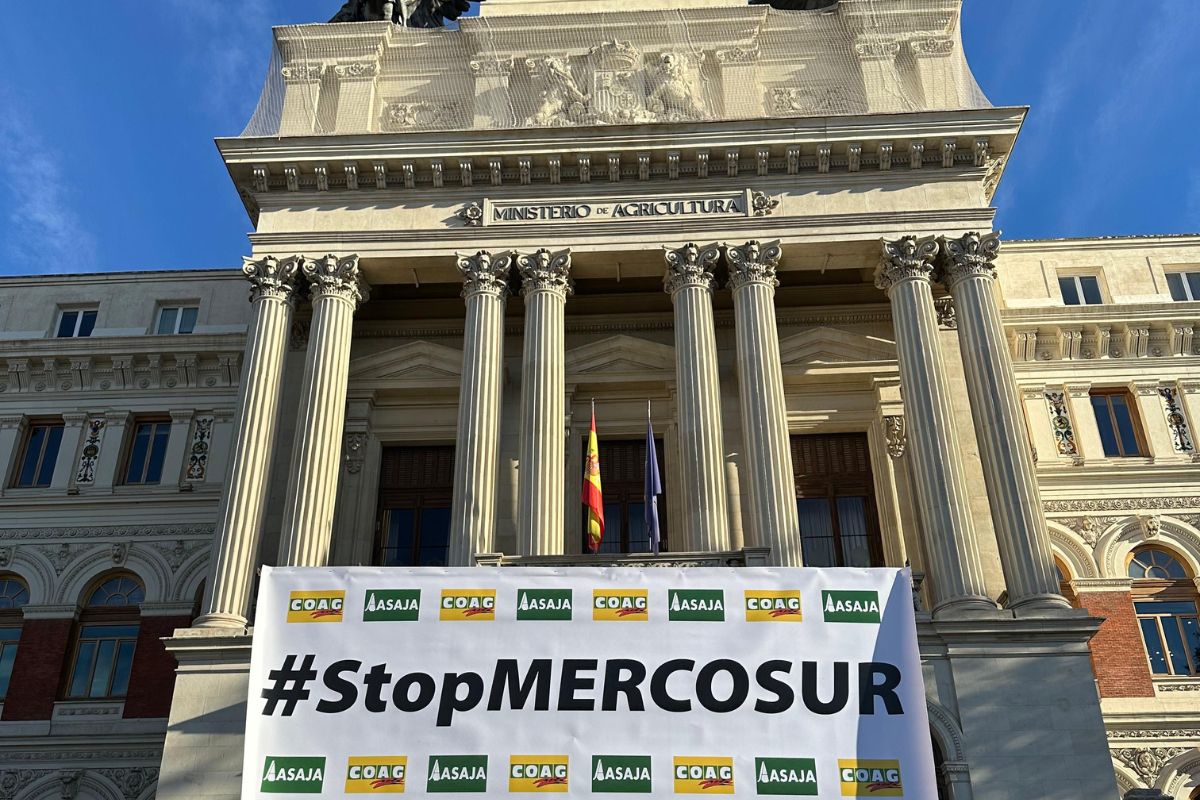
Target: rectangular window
column 1080, row 290
column 623, row 477
column 8, row 655
column 1171, row 635
column 176, row 319
column 42, row 441
column 1116, row 419
column 79, row 322
column 1184, row 285
column 415, row 488
column 147, row 451
column 103, row 661
column 835, row 501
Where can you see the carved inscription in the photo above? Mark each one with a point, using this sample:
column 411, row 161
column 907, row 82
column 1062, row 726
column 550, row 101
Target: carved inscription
column 732, row 204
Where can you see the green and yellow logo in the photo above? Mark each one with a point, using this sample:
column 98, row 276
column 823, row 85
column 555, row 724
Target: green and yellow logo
column 453, row 774
column 773, row 606
column 468, row 604
column 850, row 606
column 293, row 775
column 392, row 605
column 376, row 774
column 696, row 605
column 794, row 776
column 621, row 604
column 326, row 606
column 623, row 774
column 703, row 775
column 537, row 604
column 870, row 778
column 538, row 774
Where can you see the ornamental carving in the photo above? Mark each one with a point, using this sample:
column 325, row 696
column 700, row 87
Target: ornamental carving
column 85, row 473
column 302, row 71
column 932, row 46
column 753, row 262
column 763, row 205
column 871, row 49
column 357, row 70
column 893, row 431
column 271, row 278
column 401, row 116
column 809, row 100
column 484, row 273
column 1147, row 762
column 690, row 266
column 561, row 102
column 907, row 258
column 471, row 214
column 616, row 76
column 969, row 256
column 336, row 277
column 739, row 55
column 1060, row 424
column 544, row 270
column 1121, row 504
column 492, row 68
column 1151, row 525
column 674, row 96
column 1181, row 435
column 202, row 430
column 1089, row 528
column 355, row 452
column 947, row 317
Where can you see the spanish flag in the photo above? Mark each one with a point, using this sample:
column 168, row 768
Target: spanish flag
column 593, row 498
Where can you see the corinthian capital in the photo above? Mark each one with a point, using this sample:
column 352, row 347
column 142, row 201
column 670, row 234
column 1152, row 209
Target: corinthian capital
column 753, row 262
column 271, row 278
column 970, row 255
column 484, row 273
column 907, row 258
column 336, row 277
column 690, row 265
column 544, row 270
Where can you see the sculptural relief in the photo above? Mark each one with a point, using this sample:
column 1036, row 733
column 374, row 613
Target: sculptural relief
column 561, row 101
column 675, row 96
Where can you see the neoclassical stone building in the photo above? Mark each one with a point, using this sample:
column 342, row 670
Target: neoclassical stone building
column 771, row 225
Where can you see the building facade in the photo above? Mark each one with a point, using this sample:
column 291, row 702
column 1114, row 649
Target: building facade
column 770, row 227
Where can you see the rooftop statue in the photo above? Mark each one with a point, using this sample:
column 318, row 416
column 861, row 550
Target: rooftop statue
column 414, row 13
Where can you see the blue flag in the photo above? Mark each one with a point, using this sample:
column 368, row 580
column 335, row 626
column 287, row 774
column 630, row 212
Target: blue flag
column 653, row 485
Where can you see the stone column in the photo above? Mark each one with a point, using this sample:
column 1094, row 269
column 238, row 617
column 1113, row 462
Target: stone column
column 337, row 289
column 1000, row 427
column 477, row 453
column 542, row 471
column 768, row 462
column 689, row 281
column 244, row 499
column 942, row 496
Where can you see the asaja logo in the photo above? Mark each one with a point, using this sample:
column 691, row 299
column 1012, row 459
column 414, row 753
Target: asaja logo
column 293, row 775
column 850, row 606
column 458, row 604
column 457, row 774
column 870, row 778
column 543, row 604
column 625, row 774
column 538, row 774
column 795, row 776
column 316, row 606
column 703, row 775
column 376, row 774
column 621, row 604
column 773, row 606
column 392, row 605
column 696, row 605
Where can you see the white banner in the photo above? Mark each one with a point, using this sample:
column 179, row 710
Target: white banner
column 656, row 682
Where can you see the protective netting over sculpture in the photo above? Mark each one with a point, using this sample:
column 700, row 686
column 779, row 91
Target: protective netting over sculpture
column 518, row 66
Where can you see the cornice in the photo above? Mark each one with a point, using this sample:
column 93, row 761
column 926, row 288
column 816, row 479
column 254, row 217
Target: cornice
column 1107, row 243
column 130, row 276
column 121, row 345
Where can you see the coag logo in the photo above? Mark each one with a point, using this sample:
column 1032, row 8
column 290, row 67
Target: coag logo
column 316, row 606
column 696, row 605
column 621, row 604
column 376, row 774
column 773, row 606
column 537, row 774
column 870, row 778
column 624, row 774
column 850, row 606
column 543, row 604
column 293, row 775
column 458, row 604
column 457, row 774
column 794, row 776
column 392, row 605
column 699, row 775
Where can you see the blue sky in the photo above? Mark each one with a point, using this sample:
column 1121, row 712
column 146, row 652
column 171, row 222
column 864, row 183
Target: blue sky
column 108, row 110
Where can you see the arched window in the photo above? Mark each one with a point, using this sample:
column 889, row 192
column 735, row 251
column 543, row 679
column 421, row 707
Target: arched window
column 108, row 631
column 14, row 595
column 1164, row 596
column 1063, row 573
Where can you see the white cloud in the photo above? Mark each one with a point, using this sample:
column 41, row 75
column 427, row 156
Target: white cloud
column 42, row 231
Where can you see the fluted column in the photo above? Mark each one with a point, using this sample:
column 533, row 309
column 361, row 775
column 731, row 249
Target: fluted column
column 768, row 462
column 689, row 281
column 337, row 288
column 950, row 542
column 541, row 473
column 243, row 501
column 1000, row 425
column 476, row 454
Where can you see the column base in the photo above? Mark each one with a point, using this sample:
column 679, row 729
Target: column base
column 1044, row 605
column 225, row 622
column 970, row 607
